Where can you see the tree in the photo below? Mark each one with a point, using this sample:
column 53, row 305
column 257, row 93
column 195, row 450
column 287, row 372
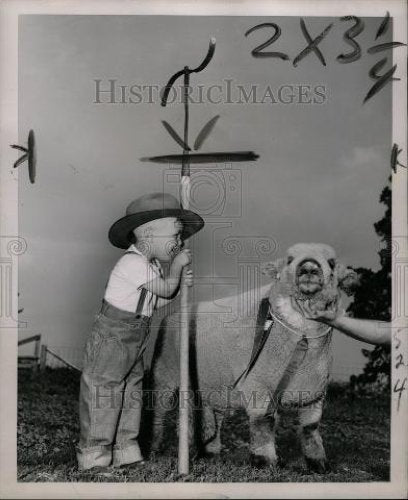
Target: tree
column 372, row 299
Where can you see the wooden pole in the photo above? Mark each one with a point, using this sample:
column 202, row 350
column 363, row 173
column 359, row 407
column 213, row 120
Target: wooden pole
column 183, row 451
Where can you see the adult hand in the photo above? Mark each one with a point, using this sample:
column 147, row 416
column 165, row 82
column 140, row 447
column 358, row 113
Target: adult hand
column 327, row 315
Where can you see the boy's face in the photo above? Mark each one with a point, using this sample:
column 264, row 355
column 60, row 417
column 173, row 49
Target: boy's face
column 162, row 237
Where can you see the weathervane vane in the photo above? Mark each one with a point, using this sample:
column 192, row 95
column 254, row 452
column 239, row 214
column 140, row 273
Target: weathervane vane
column 187, row 157
column 29, row 155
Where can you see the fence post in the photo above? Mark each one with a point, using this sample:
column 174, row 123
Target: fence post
column 43, row 357
column 37, row 347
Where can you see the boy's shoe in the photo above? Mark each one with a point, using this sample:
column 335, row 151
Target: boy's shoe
column 126, row 455
column 133, row 465
column 98, row 469
column 93, row 458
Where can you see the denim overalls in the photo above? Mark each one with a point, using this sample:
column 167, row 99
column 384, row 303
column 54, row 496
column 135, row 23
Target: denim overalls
column 110, row 401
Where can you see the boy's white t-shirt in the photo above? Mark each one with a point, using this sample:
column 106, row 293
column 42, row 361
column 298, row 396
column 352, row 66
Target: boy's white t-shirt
column 126, row 281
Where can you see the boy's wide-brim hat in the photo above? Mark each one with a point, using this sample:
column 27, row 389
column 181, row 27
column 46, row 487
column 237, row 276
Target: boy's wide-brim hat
column 151, row 207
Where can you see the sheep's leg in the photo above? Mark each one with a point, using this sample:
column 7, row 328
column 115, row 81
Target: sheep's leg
column 213, row 446
column 262, row 431
column 165, row 401
column 310, row 438
column 164, row 382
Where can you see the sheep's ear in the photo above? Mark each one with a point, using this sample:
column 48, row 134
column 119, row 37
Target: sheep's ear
column 272, row 269
column 348, row 279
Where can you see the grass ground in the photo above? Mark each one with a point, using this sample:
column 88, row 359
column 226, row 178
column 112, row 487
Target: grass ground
column 355, row 431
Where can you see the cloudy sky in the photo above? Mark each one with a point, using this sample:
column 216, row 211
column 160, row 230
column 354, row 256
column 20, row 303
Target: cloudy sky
column 323, row 157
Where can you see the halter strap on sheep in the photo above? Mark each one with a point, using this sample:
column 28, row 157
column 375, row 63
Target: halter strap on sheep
column 264, row 324
column 261, row 336
column 295, row 332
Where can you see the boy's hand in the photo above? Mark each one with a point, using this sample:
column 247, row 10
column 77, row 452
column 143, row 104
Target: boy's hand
column 188, row 277
column 183, row 258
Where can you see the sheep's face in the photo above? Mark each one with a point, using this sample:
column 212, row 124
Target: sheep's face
column 308, row 268
column 310, row 271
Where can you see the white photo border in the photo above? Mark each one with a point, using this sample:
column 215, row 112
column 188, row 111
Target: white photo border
column 9, row 13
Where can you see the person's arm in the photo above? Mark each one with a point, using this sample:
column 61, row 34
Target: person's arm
column 366, row 330
column 167, row 287
column 189, row 282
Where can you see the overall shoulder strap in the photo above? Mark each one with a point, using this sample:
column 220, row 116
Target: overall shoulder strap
column 140, row 303
column 142, row 296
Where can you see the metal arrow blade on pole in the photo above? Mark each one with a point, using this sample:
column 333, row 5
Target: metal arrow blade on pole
column 203, row 65
column 200, row 158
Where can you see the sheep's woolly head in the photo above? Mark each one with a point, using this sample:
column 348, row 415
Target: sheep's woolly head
column 309, row 272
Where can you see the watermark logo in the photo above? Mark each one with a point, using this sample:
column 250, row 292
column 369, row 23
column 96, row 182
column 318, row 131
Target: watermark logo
column 11, row 247
column 167, row 400
column 113, row 91
column 214, row 192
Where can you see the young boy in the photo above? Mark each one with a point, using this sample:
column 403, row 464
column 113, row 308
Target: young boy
column 110, row 401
